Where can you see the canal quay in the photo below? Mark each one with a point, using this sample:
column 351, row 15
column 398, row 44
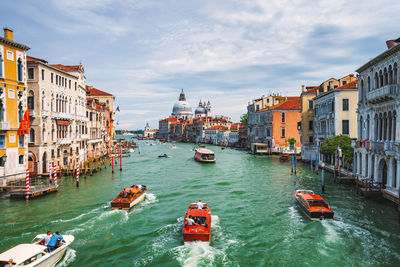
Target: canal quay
column 255, row 218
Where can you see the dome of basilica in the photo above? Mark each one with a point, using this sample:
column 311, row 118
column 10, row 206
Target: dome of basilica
column 182, row 108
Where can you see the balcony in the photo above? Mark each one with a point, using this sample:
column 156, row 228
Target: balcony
column 62, row 115
column 32, row 113
column 4, row 125
column 45, row 113
column 93, row 141
column 65, row 141
column 382, row 94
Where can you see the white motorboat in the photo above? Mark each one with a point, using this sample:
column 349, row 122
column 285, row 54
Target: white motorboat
column 36, row 254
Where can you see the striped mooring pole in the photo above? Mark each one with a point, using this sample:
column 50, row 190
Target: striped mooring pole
column 27, row 184
column 55, row 174
column 50, row 170
column 77, row 174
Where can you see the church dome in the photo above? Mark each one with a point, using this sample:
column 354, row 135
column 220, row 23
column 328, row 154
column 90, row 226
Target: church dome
column 182, row 109
column 200, row 111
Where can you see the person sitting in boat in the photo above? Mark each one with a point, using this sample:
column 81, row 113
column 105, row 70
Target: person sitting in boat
column 10, row 263
column 190, row 221
column 47, row 238
column 53, row 241
column 124, row 193
column 199, row 205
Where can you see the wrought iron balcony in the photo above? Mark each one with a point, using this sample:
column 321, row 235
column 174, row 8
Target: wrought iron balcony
column 383, row 93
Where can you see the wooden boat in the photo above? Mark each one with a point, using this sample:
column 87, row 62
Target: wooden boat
column 314, row 206
column 134, row 195
column 201, row 145
column 36, row 253
column 222, row 147
column 163, row 156
column 204, row 155
column 284, row 157
column 202, row 230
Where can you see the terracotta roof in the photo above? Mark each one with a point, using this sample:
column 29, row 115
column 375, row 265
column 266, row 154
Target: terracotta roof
column 235, row 126
column 90, row 90
column 66, row 68
column 311, row 89
column 35, row 59
column 169, row 119
column 291, row 104
column 350, row 85
column 287, row 97
column 218, row 127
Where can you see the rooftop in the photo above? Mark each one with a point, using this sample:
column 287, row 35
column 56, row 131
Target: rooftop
column 91, row 91
column 67, row 68
column 218, row 127
column 291, row 104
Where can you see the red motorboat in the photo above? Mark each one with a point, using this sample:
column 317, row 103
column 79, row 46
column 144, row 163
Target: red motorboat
column 201, row 229
column 314, row 206
column 204, row 155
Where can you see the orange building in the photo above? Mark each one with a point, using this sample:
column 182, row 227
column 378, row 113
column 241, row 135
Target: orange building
column 278, row 124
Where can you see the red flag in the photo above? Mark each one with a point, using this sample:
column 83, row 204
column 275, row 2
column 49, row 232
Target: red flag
column 24, row 124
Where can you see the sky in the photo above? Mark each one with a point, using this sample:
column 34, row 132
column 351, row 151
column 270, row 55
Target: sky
column 228, row 52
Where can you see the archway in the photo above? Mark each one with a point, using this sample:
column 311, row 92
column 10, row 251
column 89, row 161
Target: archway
column 382, row 172
column 65, row 158
column 32, row 162
column 44, row 163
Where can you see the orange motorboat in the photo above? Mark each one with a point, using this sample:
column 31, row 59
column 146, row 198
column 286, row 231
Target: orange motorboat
column 129, row 198
column 314, row 206
column 201, row 229
column 201, row 145
column 284, row 157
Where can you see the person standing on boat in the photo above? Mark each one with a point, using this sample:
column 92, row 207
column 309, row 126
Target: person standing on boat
column 53, row 241
column 47, row 238
column 124, row 193
column 199, row 205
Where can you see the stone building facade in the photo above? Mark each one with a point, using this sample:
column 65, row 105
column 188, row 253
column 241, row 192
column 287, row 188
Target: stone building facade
column 377, row 149
column 58, row 132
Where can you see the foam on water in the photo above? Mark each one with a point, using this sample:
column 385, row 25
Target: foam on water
column 196, row 253
column 69, row 257
column 77, row 217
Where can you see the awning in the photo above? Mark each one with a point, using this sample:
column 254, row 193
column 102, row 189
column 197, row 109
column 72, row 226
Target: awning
column 62, row 122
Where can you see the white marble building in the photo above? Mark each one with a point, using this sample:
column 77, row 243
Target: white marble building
column 377, row 150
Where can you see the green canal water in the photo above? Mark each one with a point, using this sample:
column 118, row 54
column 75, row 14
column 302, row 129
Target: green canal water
column 255, row 218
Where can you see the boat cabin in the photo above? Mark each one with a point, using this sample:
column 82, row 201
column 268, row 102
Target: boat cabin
column 259, row 148
column 23, row 254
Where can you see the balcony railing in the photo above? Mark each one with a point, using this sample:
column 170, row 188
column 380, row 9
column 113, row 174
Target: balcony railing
column 4, row 125
column 62, row 115
column 65, row 141
column 45, row 113
column 382, row 94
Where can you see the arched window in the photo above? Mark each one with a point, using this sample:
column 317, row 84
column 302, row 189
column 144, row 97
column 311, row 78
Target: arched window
column 19, row 69
column 376, row 85
column 361, row 91
column 367, row 128
column 20, row 112
column 395, row 73
column 31, row 100
column 360, row 128
column 385, row 77
column 369, row 84
column 390, row 75
column 32, row 136
column 1, row 65
column 44, row 135
column 1, row 110
column 380, row 78
column 21, row 159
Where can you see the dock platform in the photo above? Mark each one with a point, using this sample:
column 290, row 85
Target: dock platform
column 35, row 191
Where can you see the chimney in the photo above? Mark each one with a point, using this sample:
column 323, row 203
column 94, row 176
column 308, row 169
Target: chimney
column 8, row 34
column 391, row 43
column 302, row 88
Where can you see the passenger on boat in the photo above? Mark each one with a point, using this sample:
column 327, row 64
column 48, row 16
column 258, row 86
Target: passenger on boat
column 53, row 241
column 125, row 194
column 10, row 263
column 199, row 205
column 47, row 238
column 139, row 186
column 190, row 221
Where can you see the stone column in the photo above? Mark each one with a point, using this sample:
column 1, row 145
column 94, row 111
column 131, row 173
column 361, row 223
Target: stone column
column 393, row 127
column 398, row 176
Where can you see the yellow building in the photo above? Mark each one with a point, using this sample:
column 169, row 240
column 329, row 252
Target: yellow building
column 13, row 103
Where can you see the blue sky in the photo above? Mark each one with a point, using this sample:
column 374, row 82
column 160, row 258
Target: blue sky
column 228, row 52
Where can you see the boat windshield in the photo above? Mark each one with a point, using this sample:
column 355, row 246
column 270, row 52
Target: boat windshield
column 317, row 203
column 200, row 220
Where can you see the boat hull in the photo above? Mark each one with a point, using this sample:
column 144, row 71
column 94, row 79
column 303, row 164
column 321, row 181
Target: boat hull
column 315, row 215
column 128, row 205
column 52, row 260
column 200, row 231
column 203, row 160
column 196, row 237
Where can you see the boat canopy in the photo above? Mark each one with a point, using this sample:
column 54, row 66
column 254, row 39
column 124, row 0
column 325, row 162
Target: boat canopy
column 204, row 151
column 22, row 252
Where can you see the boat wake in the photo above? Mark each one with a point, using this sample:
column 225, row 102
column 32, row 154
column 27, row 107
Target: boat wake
column 69, row 257
column 77, row 217
column 150, row 199
column 196, row 254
